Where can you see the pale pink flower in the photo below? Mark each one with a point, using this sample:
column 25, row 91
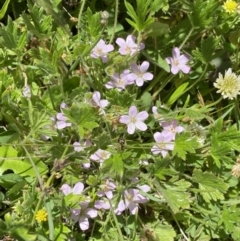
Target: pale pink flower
column 100, row 156
column 106, row 189
column 101, row 50
column 102, row 204
column 77, row 189
column 131, row 199
column 163, row 144
column 82, row 215
column 155, row 112
column 178, row 62
column 171, row 128
column 140, row 74
column 134, row 120
column 96, row 99
column 119, row 81
column 62, row 121
column 77, row 146
column 129, row 46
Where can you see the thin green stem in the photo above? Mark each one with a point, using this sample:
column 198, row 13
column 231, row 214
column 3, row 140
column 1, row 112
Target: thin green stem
column 34, row 168
column 53, row 105
column 79, row 18
column 115, row 21
column 50, row 219
column 216, row 102
column 183, row 234
column 155, row 81
column 187, row 37
column 80, row 58
column 35, row 211
column 120, row 238
column 162, row 86
column 198, row 80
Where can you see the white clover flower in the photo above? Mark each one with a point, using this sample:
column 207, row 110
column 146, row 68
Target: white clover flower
column 236, row 168
column 229, row 85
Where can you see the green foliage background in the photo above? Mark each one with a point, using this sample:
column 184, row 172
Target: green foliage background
column 46, row 45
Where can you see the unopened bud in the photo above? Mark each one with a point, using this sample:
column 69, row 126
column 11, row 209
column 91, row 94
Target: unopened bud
column 105, row 15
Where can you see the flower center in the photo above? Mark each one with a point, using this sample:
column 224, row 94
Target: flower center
column 128, row 49
column 175, row 62
column 120, row 83
column 133, row 120
column 129, row 197
column 172, row 129
column 103, row 155
column 161, row 145
column 99, row 51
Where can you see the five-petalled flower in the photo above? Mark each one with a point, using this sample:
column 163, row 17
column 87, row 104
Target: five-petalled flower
column 100, row 156
column 131, row 199
column 101, row 104
column 134, row 120
column 178, row 62
column 163, row 143
column 171, row 128
column 119, row 81
column 129, row 46
column 101, row 50
column 140, row 73
column 82, row 215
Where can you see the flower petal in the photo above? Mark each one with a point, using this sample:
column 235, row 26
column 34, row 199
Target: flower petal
column 83, row 223
column 104, row 58
column 174, row 69
column 147, row 76
column 176, row 53
column 141, row 125
column 184, row 68
column 130, row 39
column 109, row 194
column 131, row 128
column 132, row 111
column 139, row 81
column 135, row 68
column 169, row 60
column 61, row 125
column 145, row 188
column 108, row 48
column 183, row 59
column 66, row 189
column 96, row 97
column 103, row 103
column 125, row 119
column 133, row 207
column 92, row 213
column 144, row 66
column 155, row 150
column 121, row 206
column 158, row 137
column 78, row 188
column 120, row 42
column 164, row 153
column 143, row 115
column 61, row 117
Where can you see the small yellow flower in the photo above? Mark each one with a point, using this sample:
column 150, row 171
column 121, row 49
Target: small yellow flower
column 230, row 6
column 41, row 215
column 229, row 85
